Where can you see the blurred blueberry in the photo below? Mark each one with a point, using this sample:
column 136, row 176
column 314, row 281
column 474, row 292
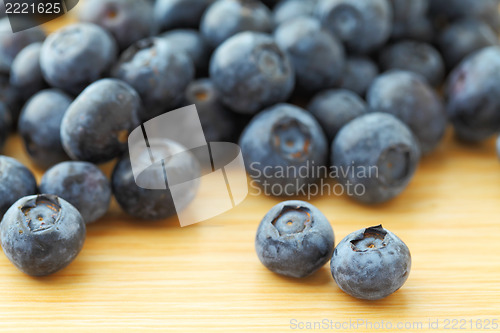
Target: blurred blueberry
column 157, row 72
column 376, row 156
column 335, row 108
column 410, row 20
column 408, row 97
column 82, row 184
column 473, row 94
column 149, row 202
column 218, row 122
column 289, row 9
column 363, row 25
column 11, row 97
column 12, row 43
column 127, row 20
column 226, row 18
column 317, row 56
column 463, row 38
column 417, row 57
column 359, row 73
column 5, row 124
column 294, row 239
column 251, row 72
column 96, row 126
column 25, row 73
column 40, row 126
column 174, row 14
column 76, row 55
column 192, row 43
column 16, row 181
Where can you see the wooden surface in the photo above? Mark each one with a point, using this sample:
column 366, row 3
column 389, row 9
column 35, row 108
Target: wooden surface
column 133, row 275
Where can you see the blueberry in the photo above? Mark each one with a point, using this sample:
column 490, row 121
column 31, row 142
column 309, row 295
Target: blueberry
column 294, row 239
column 192, row 43
column 127, row 20
column 42, row 234
column 77, row 55
column 371, row 263
column 158, row 73
column 473, row 95
column 317, row 56
column 225, row 18
column 25, row 72
column 5, row 124
column 498, row 146
column 149, row 202
column 172, row 14
column 417, row 57
column 279, row 143
column 96, row 126
column 218, row 122
column 82, row 184
column 363, row 25
column 463, row 38
column 376, row 156
column 410, row 20
column 12, row 43
column 40, row 126
column 289, row 9
column 408, row 97
column 11, row 97
column 335, row 108
column 251, row 72
column 359, row 73
column 16, row 181
column 451, row 10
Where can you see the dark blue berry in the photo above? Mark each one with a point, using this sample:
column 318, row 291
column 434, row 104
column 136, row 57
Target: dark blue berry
column 82, row 184
column 25, row 73
column 335, row 108
column 40, row 126
column 157, row 72
column 127, row 20
column 192, row 43
column 251, row 72
column 473, row 95
column 96, row 126
column 16, row 181
column 363, row 25
column 77, row 55
column 371, row 263
column 417, row 57
column 42, row 234
column 154, row 200
column 408, row 97
column 463, row 38
column 5, row 124
column 289, row 9
column 294, row 239
column 376, row 156
column 359, row 73
column 317, row 56
column 226, row 18
column 278, row 143
column 173, row 14
column 12, row 43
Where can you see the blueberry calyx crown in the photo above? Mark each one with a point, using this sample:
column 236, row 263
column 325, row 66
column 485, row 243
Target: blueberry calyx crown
column 293, row 220
column 41, row 213
column 291, row 139
column 373, row 238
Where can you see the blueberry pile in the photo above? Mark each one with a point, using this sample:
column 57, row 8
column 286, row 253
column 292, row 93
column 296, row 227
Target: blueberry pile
column 301, row 85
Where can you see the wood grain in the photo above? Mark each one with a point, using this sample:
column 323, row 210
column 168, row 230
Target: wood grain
column 135, row 275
